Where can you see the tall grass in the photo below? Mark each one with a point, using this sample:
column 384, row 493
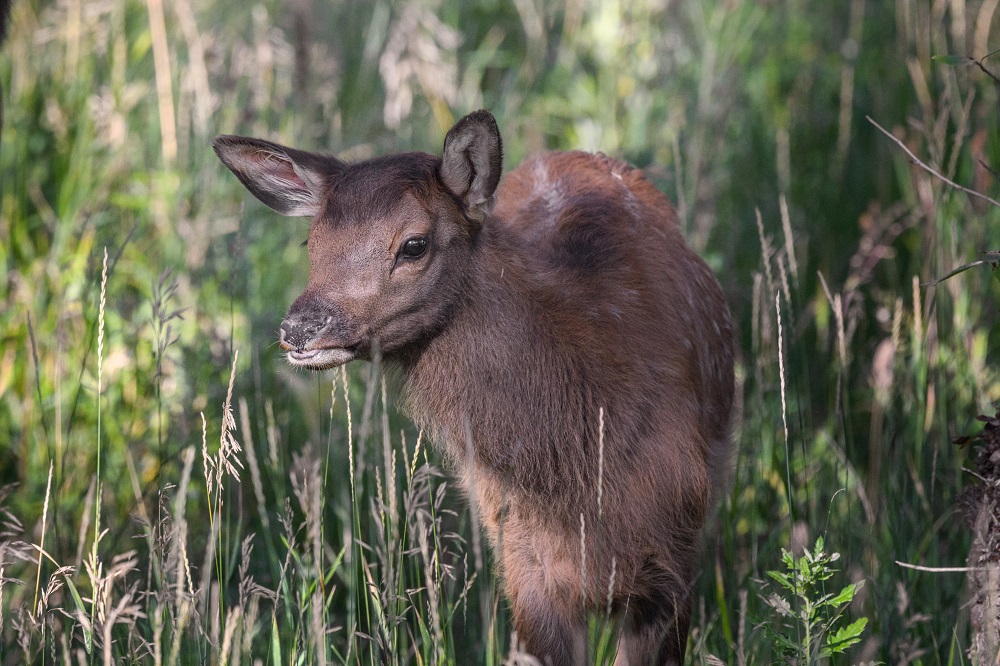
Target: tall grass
column 321, row 528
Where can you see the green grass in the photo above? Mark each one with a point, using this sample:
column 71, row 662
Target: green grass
column 305, row 521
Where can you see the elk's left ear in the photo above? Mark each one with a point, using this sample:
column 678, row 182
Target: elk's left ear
column 473, row 161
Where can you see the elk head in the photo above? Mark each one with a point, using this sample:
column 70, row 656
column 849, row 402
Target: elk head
column 391, row 242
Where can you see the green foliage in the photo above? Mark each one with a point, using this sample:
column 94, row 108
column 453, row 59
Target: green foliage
column 955, row 60
column 340, row 539
column 805, row 629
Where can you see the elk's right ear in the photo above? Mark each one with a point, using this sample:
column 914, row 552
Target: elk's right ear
column 473, row 161
column 292, row 182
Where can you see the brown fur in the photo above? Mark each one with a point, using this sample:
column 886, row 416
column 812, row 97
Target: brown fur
column 576, row 294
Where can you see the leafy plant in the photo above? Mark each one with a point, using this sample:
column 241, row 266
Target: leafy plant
column 806, row 629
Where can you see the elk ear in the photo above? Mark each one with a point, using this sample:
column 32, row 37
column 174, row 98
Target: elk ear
column 473, row 161
column 292, row 182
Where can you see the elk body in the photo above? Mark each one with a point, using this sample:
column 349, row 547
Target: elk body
column 558, row 339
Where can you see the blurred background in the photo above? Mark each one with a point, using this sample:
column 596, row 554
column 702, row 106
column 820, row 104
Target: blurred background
column 749, row 115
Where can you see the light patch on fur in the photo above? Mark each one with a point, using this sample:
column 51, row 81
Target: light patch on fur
column 548, row 190
column 554, row 199
column 632, row 204
column 541, row 174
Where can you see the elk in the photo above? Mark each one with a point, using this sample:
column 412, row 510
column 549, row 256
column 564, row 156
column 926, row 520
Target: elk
column 554, row 334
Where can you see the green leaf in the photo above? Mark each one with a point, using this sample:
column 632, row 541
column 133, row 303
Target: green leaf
column 805, row 573
column 88, row 636
column 845, row 637
column 335, row 567
column 782, row 579
column 787, row 646
column 845, row 596
column 953, row 59
column 275, row 641
column 141, row 45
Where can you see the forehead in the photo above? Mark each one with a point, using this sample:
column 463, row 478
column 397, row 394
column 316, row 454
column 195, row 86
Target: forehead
column 374, row 188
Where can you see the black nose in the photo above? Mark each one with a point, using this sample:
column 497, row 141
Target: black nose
column 313, row 318
column 297, row 332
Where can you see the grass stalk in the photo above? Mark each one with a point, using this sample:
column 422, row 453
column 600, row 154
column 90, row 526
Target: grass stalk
column 100, row 376
column 164, row 85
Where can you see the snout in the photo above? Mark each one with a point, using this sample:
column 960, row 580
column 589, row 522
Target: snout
column 317, row 336
column 296, row 333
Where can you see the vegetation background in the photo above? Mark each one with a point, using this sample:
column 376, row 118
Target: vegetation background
column 194, row 500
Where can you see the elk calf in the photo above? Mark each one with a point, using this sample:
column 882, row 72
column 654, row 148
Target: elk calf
column 521, row 317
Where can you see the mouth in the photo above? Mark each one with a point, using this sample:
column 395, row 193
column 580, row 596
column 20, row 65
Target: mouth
column 321, row 359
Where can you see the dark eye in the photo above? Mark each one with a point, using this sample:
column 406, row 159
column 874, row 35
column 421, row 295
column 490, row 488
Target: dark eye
column 413, row 248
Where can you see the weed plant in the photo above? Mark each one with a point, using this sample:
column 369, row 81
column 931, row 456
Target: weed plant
column 806, row 628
